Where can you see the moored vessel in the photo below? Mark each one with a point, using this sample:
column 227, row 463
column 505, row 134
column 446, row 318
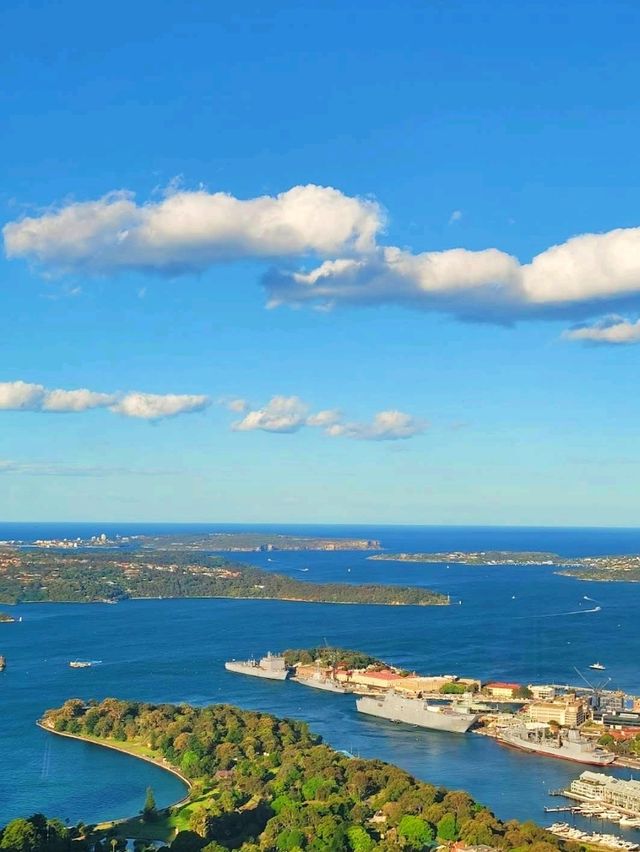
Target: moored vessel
column 416, row 711
column 319, row 680
column 271, row 667
column 568, row 744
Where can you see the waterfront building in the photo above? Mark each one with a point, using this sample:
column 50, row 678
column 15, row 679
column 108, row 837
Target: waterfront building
column 597, row 787
column 619, row 721
column 496, row 689
column 542, row 692
column 636, row 705
column 378, row 679
column 569, row 712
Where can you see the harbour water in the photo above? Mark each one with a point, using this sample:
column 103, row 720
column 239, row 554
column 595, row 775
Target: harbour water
column 514, row 623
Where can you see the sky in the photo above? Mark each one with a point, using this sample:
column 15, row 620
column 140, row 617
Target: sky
column 320, row 262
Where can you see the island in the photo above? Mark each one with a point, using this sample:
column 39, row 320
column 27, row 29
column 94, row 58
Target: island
column 5, row 618
column 617, row 567
column 32, row 576
column 257, row 782
column 488, row 557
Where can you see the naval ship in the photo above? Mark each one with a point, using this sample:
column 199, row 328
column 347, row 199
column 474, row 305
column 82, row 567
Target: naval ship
column 319, row 680
column 416, row 711
column 568, row 744
column 271, row 667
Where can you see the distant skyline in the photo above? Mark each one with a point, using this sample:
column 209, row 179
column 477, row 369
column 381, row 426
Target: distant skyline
column 321, row 264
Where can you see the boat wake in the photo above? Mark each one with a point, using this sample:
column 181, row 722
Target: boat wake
column 562, row 614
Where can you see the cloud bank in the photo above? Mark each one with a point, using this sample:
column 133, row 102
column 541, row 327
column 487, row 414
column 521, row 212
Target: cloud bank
column 187, row 231
column 288, row 414
column 24, row 396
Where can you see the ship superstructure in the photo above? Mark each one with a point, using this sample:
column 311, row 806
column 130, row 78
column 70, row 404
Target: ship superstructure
column 566, row 744
column 271, row 667
column 416, row 711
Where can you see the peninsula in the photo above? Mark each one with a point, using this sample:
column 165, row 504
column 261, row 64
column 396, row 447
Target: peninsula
column 620, row 567
column 32, row 576
column 263, row 783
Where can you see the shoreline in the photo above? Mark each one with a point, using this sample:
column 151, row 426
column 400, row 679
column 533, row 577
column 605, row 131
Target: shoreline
column 158, row 762
column 227, row 598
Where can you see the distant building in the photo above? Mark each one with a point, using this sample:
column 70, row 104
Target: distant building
column 542, row 692
column 636, row 705
column 568, row 713
column 497, row 689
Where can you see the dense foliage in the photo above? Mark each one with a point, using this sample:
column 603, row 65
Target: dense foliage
column 328, row 656
column 273, row 785
column 57, row 576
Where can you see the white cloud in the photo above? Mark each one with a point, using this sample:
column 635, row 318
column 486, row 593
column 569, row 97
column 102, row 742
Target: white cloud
column 612, row 330
column 385, row 426
column 280, row 414
column 324, row 418
column 456, row 216
column 287, row 414
column 76, row 400
column 188, row 231
column 22, row 396
column 152, row 406
column 577, row 276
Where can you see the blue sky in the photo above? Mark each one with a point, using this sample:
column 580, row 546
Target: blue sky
column 415, row 366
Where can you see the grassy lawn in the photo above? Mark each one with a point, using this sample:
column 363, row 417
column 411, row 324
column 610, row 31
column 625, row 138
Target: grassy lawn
column 165, row 827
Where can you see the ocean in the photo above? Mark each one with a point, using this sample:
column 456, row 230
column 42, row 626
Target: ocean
column 516, row 623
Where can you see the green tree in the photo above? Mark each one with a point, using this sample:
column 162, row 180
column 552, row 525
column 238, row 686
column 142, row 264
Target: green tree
column 448, row 827
column 290, row 839
column 416, row 832
column 149, row 810
column 20, row 835
column 359, row 840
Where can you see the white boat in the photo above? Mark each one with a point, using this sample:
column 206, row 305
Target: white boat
column 597, row 667
column 80, row 664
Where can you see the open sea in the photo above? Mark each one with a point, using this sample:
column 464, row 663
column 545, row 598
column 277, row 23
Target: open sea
column 514, row 623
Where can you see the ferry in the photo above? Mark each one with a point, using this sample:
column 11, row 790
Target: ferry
column 80, row 664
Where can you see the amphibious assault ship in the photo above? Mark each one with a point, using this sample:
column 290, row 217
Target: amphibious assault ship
column 272, row 667
column 568, row 744
column 416, row 711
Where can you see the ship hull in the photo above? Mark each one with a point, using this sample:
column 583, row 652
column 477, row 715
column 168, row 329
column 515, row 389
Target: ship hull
column 411, row 712
column 586, row 759
column 256, row 671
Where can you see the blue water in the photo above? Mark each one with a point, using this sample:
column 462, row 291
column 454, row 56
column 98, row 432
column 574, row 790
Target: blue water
column 514, row 623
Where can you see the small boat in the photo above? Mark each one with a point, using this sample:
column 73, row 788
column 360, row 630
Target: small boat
column 3, row 664
column 597, row 667
column 80, row 664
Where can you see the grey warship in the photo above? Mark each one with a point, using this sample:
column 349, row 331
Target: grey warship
column 271, row 667
column 416, row 711
column 567, row 744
